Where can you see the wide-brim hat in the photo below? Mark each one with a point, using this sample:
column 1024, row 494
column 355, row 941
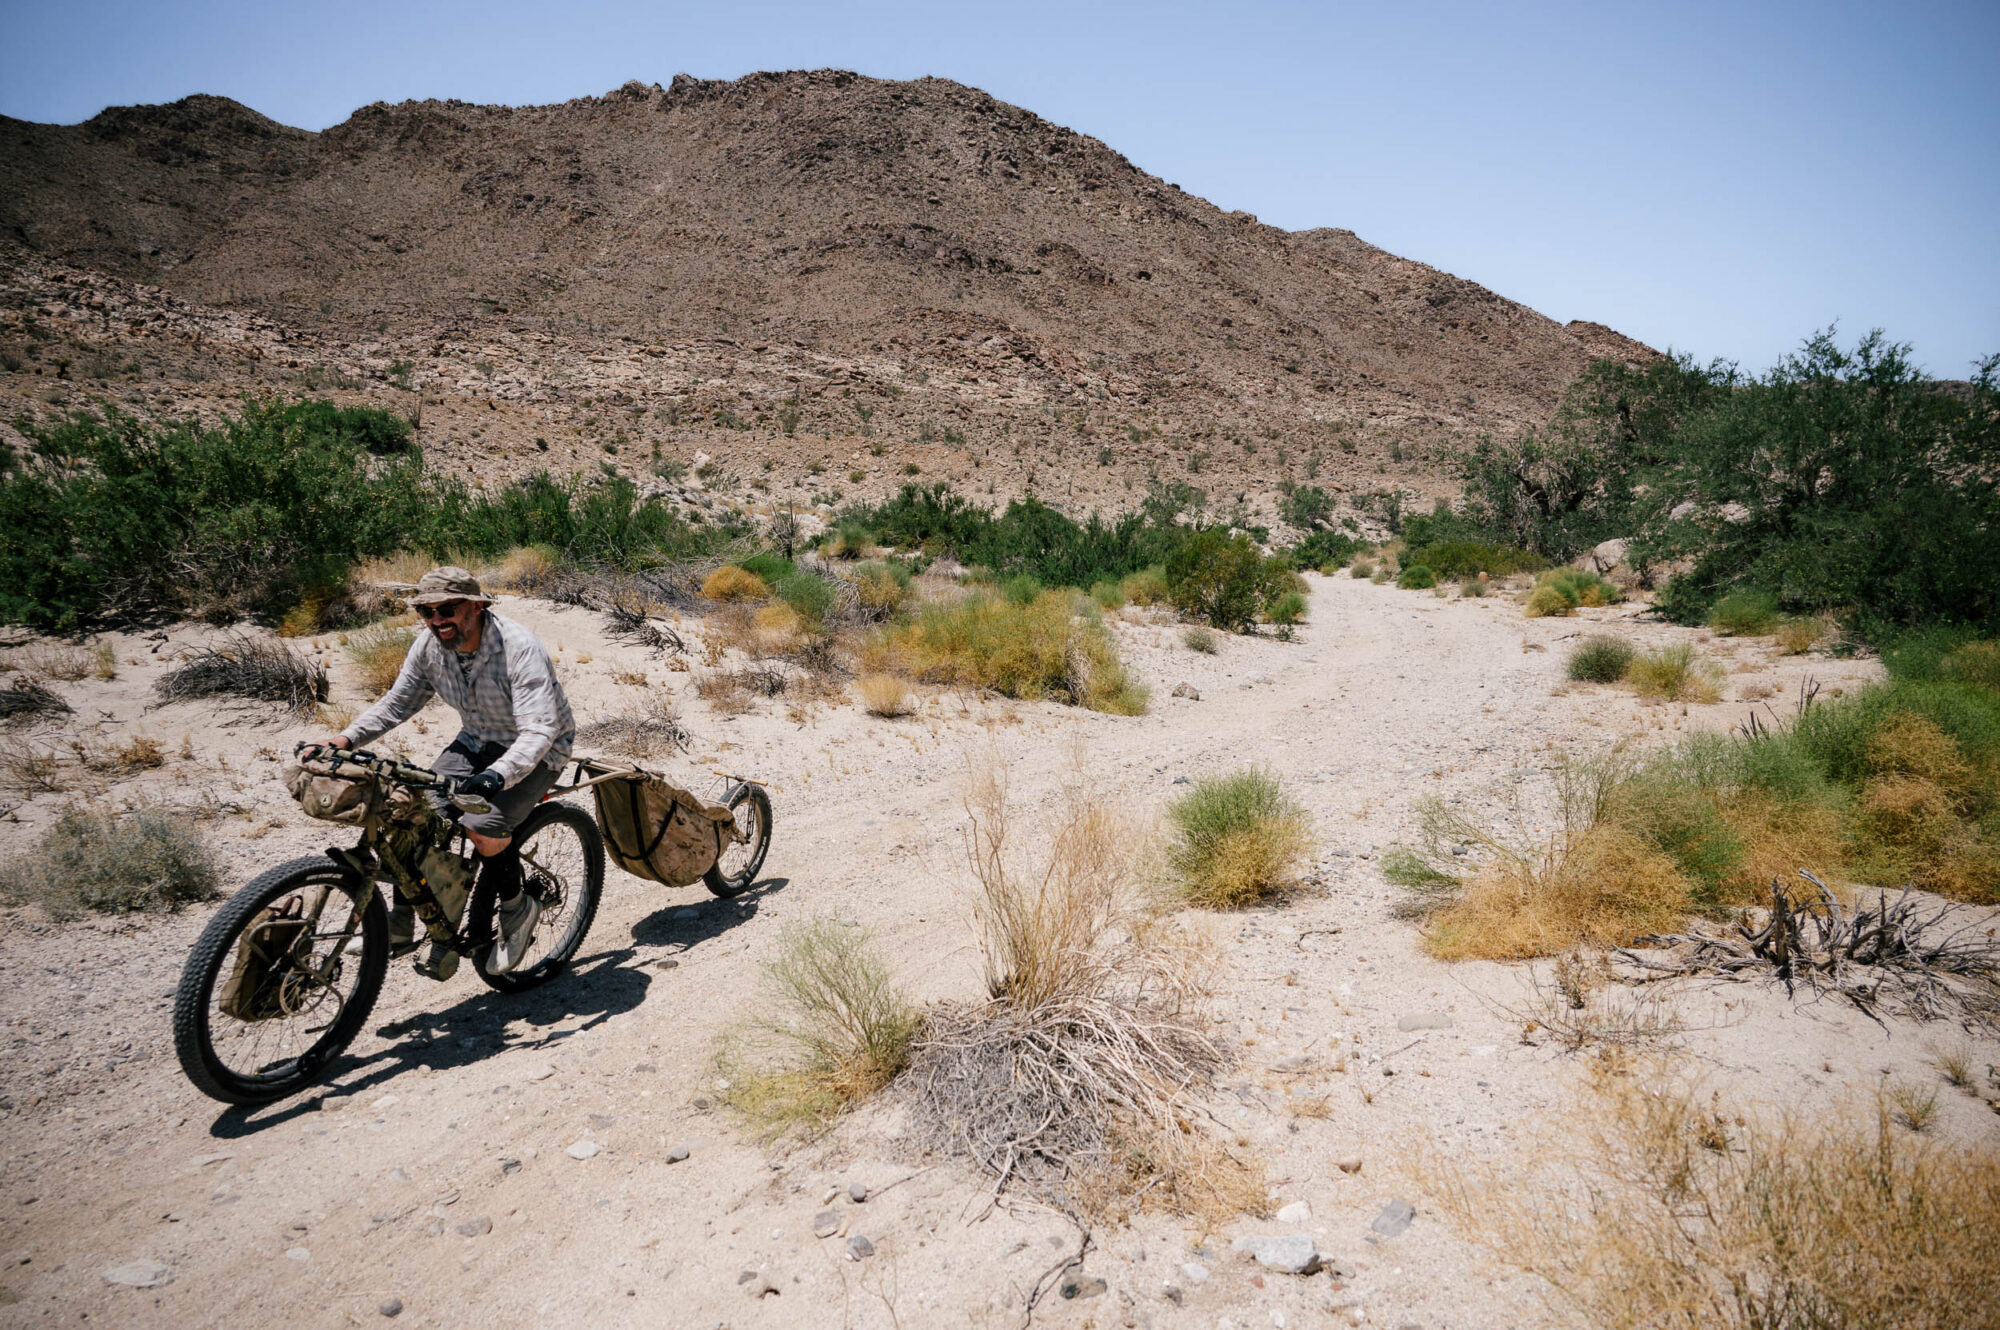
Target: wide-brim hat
column 448, row 583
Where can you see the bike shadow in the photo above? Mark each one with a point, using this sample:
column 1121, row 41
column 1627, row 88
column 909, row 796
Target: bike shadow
column 682, row 928
column 595, row 988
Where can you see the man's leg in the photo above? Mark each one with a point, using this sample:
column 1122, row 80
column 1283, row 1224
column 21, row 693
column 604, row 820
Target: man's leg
column 492, row 837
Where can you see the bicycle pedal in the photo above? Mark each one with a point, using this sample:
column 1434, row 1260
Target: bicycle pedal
column 441, row 964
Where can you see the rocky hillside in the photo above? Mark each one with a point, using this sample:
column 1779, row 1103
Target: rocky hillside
column 779, row 273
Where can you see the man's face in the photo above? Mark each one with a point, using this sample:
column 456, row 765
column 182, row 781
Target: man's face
column 451, row 620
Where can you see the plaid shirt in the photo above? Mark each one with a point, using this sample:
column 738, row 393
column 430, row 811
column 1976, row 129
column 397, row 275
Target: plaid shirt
column 508, row 694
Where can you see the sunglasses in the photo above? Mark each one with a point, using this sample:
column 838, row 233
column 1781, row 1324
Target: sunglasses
column 444, row 611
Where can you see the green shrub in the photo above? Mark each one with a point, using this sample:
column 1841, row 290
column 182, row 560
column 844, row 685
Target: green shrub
column 1038, row 650
column 1287, row 609
column 1199, row 639
column 1021, row 589
column 1107, row 596
column 1416, row 577
column 1361, row 568
column 1467, row 558
column 1222, row 579
column 94, row 860
column 1307, row 507
column 1234, row 840
column 770, row 568
column 1323, row 550
column 1600, row 660
column 832, row 1029
column 809, row 595
column 1561, row 592
column 1749, row 613
column 1148, row 586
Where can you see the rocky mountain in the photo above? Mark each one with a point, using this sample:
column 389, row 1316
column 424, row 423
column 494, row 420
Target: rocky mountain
column 793, row 269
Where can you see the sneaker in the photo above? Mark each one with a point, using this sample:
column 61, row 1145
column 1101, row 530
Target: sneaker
column 518, row 917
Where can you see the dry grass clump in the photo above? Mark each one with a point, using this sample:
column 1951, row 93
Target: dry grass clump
column 881, row 588
column 1236, row 840
column 1202, row 639
column 1362, row 568
column 1147, row 587
column 248, row 668
column 835, row 1030
column 1076, row 1080
column 27, row 699
column 646, row 724
column 733, row 692
column 1911, row 822
column 1796, row 636
column 54, row 660
column 1038, row 649
column 401, row 569
column 1662, row 1209
column 1601, row 888
column 883, row 695
column 27, row 767
column 94, row 860
column 730, row 582
column 1676, row 674
column 378, row 653
column 522, row 569
column 139, row 752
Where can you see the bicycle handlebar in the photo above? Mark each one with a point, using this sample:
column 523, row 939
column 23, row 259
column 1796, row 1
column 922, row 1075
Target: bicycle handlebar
column 398, row 770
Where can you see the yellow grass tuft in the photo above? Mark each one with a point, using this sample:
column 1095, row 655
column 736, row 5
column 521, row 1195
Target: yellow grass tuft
column 1042, row 649
column 1658, row 1208
column 883, row 695
column 378, row 653
column 732, row 583
column 1237, row 839
column 1676, row 673
column 1603, row 888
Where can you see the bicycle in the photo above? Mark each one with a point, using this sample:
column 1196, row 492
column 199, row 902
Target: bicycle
column 306, row 944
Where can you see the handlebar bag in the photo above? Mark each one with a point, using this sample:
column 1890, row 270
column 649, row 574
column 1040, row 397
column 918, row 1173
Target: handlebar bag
column 655, row 829
column 351, row 800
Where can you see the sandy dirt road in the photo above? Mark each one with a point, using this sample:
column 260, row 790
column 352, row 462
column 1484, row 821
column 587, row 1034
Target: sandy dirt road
column 434, row 1170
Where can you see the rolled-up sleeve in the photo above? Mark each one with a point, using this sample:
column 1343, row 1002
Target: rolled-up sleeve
column 405, row 698
column 538, row 719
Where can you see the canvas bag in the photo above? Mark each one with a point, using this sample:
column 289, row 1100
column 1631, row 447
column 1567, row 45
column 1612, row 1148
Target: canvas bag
column 656, row 830
column 353, row 800
column 248, row 994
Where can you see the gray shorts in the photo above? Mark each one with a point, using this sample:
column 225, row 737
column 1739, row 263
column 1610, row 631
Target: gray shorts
column 510, row 807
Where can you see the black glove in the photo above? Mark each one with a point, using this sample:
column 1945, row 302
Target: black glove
column 486, row 785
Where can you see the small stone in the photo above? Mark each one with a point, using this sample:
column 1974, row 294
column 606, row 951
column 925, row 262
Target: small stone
column 140, row 1274
column 1348, row 1163
column 1288, row 1253
column 1395, row 1218
column 1298, row 1212
column 602, row 1122
column 298, row 1254
column 859, row 1248
column 392, row 1308
column 1172, row 1293
column 386, row 1101
column 509, row 1167
column 477, row 1227
column 203, row 1161
column 677, row 1153
column 449, row 1196
column 1082, row 1286
column 826, row 1223
column 691, row 912
column 1188, row 690
column 583, row 1149
column 1424, row 1020
column 666, row 963
column 644, row 1069
column 398, row 1174
column 1194, row 1272
column 856, row 1192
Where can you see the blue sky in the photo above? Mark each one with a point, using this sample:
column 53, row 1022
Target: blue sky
column 1718, row 178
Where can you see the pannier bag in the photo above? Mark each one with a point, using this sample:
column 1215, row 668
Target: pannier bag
column 255, row 987
column 655, row 829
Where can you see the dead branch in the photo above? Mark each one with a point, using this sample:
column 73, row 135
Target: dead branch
column 1906, row 956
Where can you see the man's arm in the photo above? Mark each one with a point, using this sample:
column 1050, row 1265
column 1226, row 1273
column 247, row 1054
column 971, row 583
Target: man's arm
column 536, row 719
column 405, row 698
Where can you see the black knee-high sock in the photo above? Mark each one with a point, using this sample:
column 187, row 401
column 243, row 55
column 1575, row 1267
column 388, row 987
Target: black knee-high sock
column 502, row 872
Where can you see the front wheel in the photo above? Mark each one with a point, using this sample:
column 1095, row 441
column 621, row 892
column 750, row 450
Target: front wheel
column 562, row 863
column 735, row 869
column 280, row 981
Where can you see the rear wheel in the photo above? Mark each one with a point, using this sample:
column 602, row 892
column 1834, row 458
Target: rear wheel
column 562, row 863
column 736, row 868
column 280, row 981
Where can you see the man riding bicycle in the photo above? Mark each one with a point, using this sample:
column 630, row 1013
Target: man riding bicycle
column 515, row 734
